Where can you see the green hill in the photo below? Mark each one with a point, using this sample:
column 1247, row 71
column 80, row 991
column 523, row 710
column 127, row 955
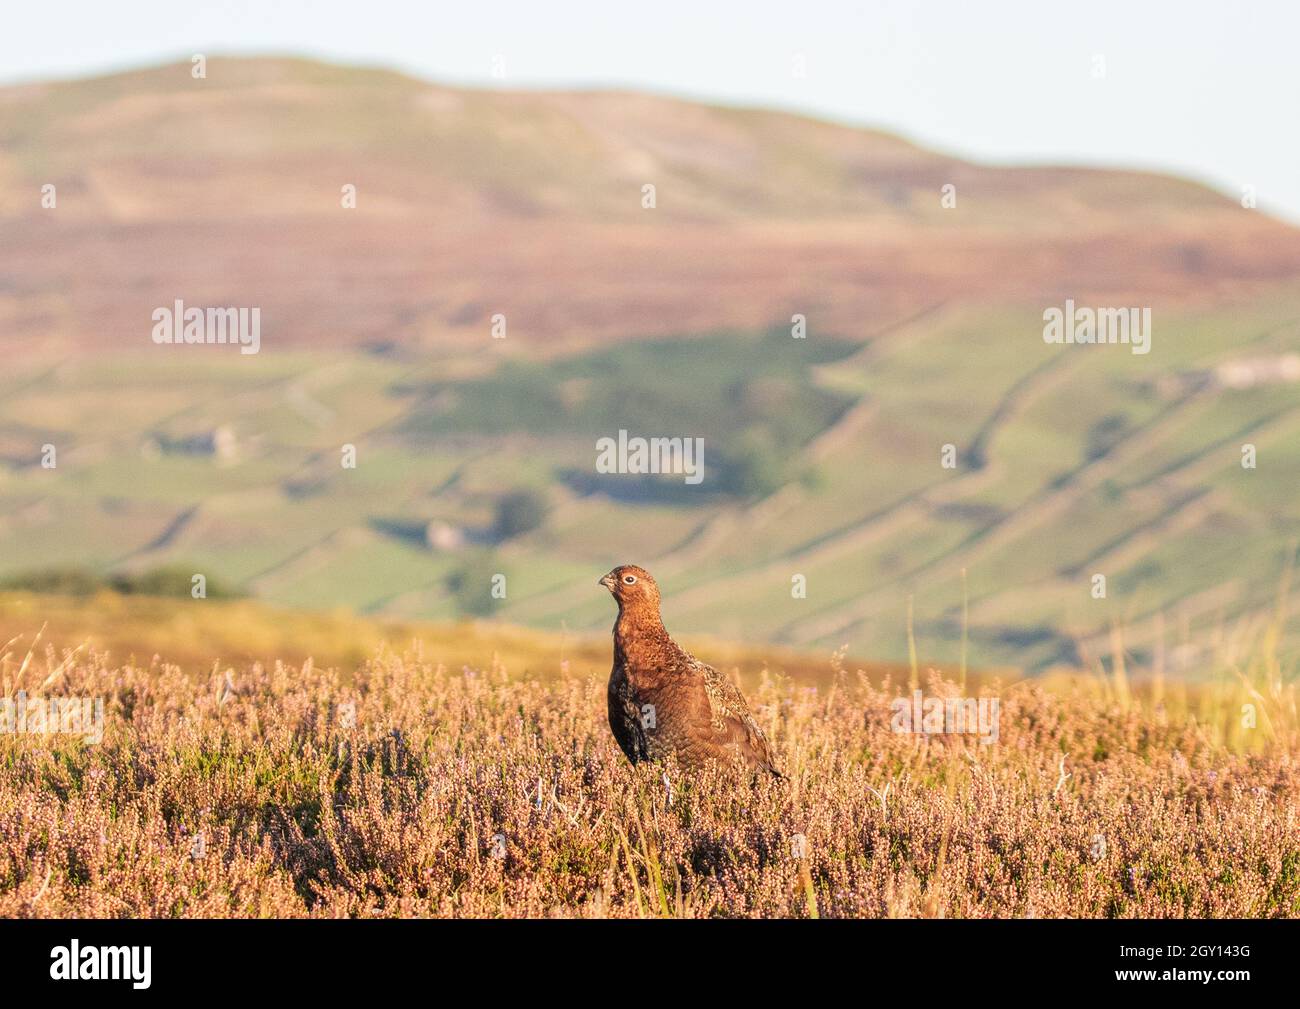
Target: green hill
column 823, row 456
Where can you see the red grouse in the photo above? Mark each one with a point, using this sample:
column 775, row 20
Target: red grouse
column 662, row 699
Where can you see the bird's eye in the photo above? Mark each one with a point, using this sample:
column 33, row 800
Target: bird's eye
column 629, row 579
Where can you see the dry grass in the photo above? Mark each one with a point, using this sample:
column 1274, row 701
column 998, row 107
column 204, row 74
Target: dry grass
column 240, row 632
column 1098, row 799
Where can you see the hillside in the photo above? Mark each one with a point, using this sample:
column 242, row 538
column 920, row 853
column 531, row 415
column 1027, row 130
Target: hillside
column 476, row 202
column 822, row 455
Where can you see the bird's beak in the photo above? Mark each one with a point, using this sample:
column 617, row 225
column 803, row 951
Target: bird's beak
column 608, row 581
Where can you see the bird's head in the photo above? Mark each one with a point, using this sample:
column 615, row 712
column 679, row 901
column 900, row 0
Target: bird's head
column 632, row 587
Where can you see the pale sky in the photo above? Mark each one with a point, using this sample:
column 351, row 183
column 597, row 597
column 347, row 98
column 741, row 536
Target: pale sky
column 1207, row 90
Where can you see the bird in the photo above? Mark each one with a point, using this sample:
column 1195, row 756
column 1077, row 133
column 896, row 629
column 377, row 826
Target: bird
column 663, row 700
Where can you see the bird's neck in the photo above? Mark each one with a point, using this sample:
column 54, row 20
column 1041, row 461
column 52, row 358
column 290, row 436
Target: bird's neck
column 637, row 629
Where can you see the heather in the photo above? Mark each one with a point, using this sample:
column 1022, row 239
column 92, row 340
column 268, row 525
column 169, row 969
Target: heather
column 408, row 788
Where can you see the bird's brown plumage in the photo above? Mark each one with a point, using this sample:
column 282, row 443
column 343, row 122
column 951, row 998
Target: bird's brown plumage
column 663, row 700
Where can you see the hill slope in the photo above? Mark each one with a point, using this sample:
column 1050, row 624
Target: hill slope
column 822, row 456
column 227, row 189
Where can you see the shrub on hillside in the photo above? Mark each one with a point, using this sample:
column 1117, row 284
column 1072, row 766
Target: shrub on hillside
column 519, row 512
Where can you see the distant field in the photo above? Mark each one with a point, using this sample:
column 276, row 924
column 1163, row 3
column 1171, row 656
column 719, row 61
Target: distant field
column 822, row 456
column 198, row 636
column 1070, row 462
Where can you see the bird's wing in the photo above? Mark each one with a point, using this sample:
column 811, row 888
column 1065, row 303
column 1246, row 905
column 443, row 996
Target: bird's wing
column 733, row 720
column 624, row 718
